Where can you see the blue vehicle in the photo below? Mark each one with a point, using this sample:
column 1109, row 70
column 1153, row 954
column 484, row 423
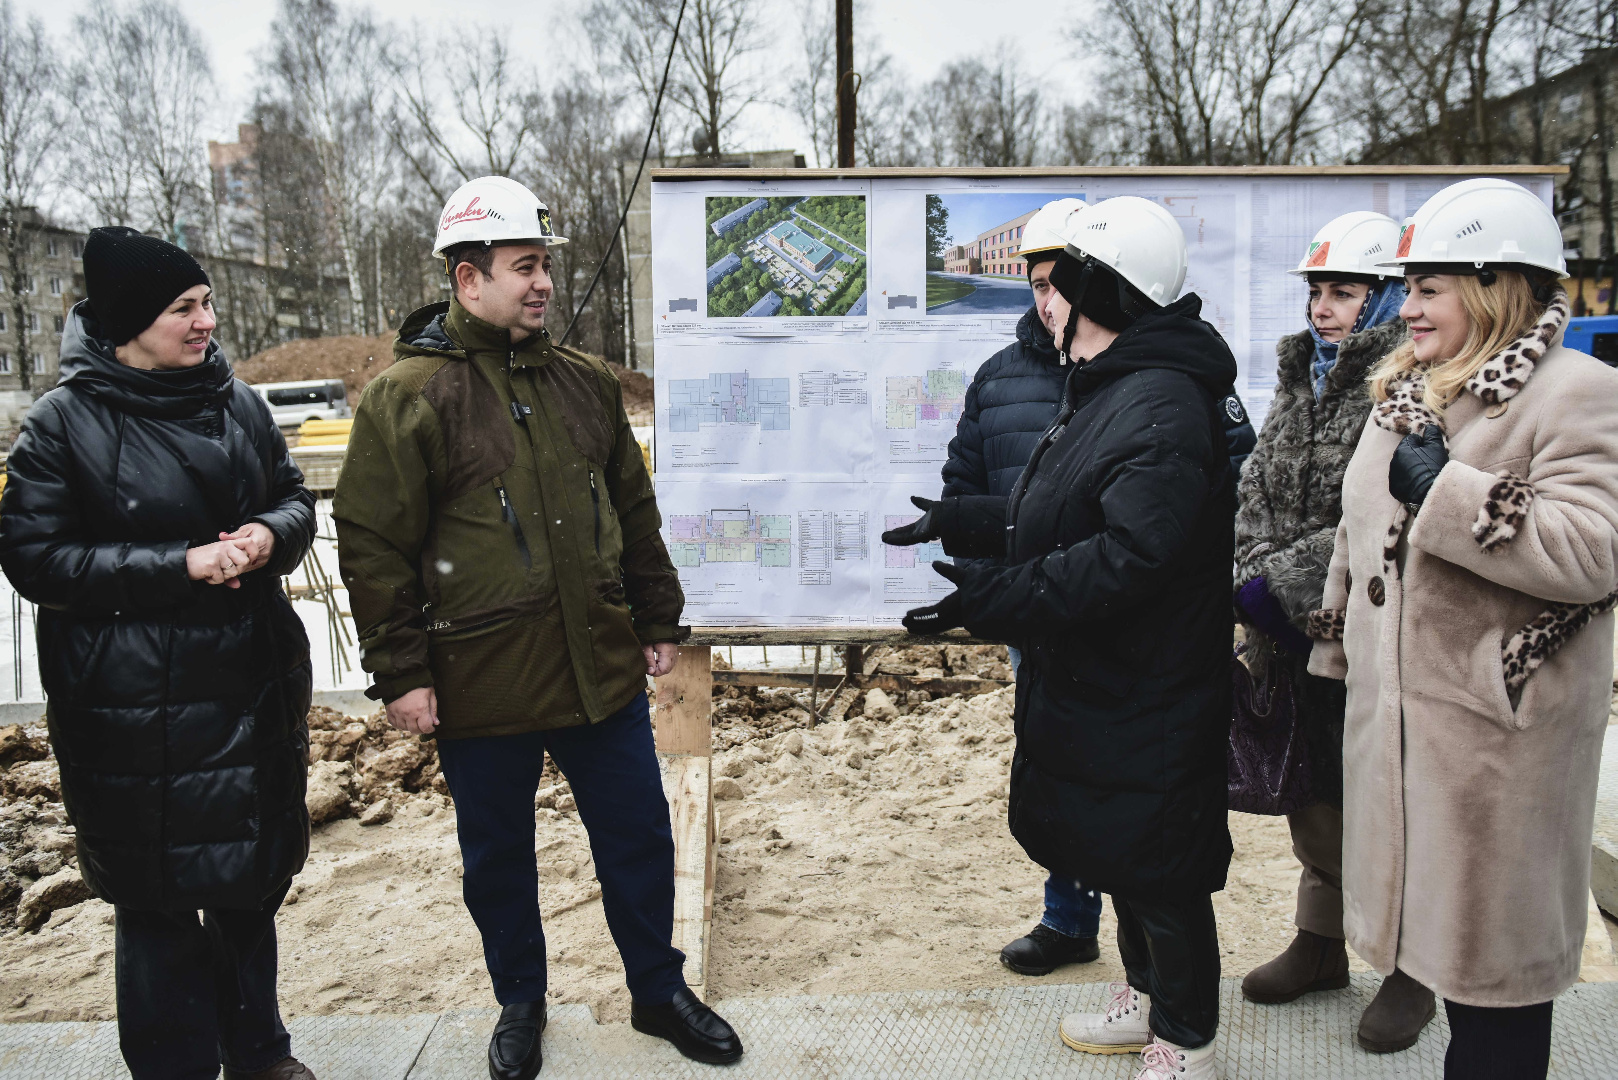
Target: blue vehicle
column 1596, row 335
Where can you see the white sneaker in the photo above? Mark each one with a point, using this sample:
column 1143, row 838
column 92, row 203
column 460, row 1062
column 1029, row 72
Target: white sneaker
column 1121, row 1029
column 1162, row 1060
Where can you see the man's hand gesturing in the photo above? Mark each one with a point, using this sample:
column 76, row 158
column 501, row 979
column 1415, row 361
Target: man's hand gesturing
column 415, row 712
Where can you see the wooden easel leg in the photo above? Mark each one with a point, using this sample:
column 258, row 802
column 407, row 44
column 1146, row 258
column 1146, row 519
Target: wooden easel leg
column 683, row 725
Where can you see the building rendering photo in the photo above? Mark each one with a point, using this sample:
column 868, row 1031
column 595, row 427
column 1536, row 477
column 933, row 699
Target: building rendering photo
column 779, row 257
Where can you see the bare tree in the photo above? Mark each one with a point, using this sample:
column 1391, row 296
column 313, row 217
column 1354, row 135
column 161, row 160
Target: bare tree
column 710, row 83
column 329, row 68
column 813, row 90
column 576, row 172
column 30, row 125
column 1282, row 55
column 972, row 114
column 629, row 42
column 142, row 93
column 462, row 108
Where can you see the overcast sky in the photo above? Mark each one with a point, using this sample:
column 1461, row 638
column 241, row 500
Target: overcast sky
column 921, row 34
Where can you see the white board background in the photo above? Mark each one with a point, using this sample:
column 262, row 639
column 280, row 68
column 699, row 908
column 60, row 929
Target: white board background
column 838, row 474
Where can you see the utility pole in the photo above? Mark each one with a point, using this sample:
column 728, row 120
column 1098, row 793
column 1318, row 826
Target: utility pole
column 847, row 84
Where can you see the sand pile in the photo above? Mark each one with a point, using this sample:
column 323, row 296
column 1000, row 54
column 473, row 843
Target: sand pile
column 867, row 853
column 352, row 358
column 39, row 871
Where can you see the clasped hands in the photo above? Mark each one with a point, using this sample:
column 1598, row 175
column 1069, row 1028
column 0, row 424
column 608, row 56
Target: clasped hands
column 235, row 553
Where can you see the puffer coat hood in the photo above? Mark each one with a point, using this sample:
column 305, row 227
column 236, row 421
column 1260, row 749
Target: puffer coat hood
column 176, row 708
column 1117, row 591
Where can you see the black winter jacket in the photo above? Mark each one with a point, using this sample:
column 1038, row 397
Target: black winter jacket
column 177, row 709
column 1118, row 593
column 1013, row 399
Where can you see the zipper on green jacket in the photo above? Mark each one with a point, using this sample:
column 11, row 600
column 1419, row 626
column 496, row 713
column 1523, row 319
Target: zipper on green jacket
column 507, row 513
column 595, row 505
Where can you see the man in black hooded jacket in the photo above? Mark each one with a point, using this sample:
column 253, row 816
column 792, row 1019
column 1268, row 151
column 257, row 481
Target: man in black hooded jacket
column 1118, row 539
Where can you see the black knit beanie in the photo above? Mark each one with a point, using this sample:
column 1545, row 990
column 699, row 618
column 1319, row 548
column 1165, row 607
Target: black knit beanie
column 130, row 278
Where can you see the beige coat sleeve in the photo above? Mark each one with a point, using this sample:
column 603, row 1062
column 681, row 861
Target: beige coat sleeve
column 1552, row 533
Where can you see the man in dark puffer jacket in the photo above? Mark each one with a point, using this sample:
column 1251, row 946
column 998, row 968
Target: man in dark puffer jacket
column 150, row 510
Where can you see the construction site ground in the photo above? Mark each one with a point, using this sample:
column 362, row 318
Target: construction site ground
column 866, row 882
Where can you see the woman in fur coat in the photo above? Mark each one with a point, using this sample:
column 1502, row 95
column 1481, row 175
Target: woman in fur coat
column 1468, row 604
column 1290, row 502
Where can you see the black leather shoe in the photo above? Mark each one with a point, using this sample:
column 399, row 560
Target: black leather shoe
column 1044, row 950
column 695, row 1030
column 514, row 1046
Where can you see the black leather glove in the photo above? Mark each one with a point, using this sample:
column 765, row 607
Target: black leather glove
column 970, row 526
column 1416, row 464
column 947, row 614
column 919, row 531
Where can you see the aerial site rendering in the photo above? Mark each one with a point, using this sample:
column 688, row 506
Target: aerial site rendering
column 786, row 256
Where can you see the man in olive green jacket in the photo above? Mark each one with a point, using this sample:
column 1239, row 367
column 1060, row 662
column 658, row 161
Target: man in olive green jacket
column 498, row 536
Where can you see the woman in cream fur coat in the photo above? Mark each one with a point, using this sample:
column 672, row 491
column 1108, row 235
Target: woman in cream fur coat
column 1468, row 604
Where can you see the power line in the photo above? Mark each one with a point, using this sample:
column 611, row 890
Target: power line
column 657, row 108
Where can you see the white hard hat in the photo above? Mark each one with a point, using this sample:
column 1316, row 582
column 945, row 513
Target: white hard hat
column 493, row 210
column 1356, row 243
column 1483, row 222
column 1046, row 230
column 1138, row 239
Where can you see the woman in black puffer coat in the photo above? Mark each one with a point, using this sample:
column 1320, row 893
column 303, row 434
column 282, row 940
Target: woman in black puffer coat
column 150, row 508
column 1118, row 545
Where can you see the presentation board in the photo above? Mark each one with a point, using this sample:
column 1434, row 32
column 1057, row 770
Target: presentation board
column 816, row 335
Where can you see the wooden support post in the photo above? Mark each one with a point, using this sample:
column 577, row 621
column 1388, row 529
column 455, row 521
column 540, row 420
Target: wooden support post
column 847, row 82
column 683, row 727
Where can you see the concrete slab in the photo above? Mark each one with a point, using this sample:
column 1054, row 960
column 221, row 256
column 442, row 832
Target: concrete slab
column 1008, row 1033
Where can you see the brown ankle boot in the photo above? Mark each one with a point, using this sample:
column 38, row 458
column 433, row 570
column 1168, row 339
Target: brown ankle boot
column 1395, row 1017
column 1310, row 963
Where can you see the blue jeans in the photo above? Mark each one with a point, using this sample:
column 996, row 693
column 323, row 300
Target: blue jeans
column 612, row 769
column 1069, row 909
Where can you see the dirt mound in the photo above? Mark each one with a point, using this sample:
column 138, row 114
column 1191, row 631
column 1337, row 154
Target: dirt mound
column 38, row 866
column 745, row 713
column 358, row 360
column 366, row 768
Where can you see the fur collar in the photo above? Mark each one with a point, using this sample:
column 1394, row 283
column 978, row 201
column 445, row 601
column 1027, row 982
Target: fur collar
column 1501, row 377
column 1355, row 356
column 1505, row 374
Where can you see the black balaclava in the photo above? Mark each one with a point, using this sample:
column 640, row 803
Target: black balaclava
column 1096, row 291
column 130, row 278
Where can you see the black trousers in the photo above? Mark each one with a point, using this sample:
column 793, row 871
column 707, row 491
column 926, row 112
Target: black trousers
column 613, row 771
column 1498, row 1044
column 194, row 995
column 1170, row 950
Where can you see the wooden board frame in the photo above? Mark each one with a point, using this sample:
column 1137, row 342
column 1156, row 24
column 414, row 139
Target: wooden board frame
column 1046, row 171
column 683, row 728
